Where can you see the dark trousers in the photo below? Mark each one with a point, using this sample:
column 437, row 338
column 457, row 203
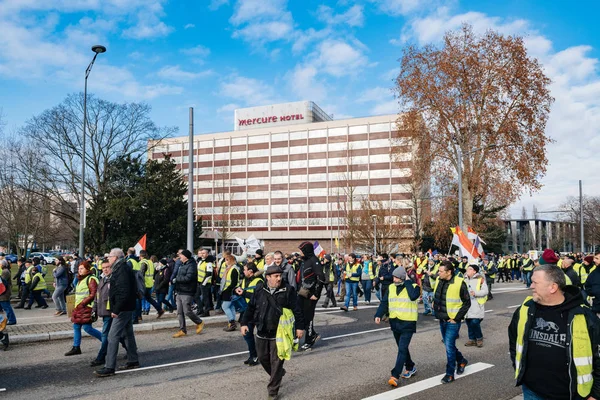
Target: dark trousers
column 26, row 293
column 329, row 295
column 490, row 282
column 308, row 311
column 161, row 298
column 267, row 355
column 37, row 295
column 250, row 341
column 203, row 298
column 403, row 358
column 121, row 326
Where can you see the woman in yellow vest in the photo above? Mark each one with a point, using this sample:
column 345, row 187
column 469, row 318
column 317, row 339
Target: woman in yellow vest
column 85, row 293
column 400, row 301
column 228, row 283
column 247, row 288
column 353, row 272
column 37, row 287
column 478, row 290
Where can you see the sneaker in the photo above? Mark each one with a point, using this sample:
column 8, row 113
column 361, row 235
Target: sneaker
column 199, row 327
column 324, row 306
column 355, row 308
column 129, row 365
column 480, row 343
column 461, row 366
column 408, row 374
column 104, row 372
column 248, row 360
column 179, row 334
column 231, row 327
column 75, row 350
column 393, row 381
column 344, row 308
column 253, row 362
column 57, row 313
column 471, row 343
column 44, row 307
column 448, row 379
column 96, row 362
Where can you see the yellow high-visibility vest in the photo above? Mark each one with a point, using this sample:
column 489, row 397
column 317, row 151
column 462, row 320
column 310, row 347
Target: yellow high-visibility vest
column 250, row 287
column 401, row 306
column 83, row 290
column 149, row 275
column 581, row 347
column 352, row 269
column 41, row 285
column 453, row 300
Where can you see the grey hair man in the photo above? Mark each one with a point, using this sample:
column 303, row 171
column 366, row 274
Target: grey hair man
column 122, row 297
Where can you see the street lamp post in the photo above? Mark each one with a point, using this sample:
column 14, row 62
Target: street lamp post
column 374, row 235
column 97, row 49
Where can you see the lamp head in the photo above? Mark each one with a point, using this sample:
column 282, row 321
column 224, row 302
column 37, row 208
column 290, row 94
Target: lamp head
column 98, row 49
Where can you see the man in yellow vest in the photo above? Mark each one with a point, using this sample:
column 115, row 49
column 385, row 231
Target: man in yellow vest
column 147, row 271
column 451, row 301
column 400, row 302
column 203, row 297
column 553, row 340
column 527, row 265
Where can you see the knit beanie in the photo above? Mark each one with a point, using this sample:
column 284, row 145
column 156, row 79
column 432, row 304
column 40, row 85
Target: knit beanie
column 548, row 257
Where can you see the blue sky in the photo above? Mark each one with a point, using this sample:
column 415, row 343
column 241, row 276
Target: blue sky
column 218, row 55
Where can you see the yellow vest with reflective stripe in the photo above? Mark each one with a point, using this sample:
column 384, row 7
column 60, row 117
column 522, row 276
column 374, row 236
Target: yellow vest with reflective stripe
column 135, row 265
column 567, row 279
column 251, row 287
column 421, row 265
column 480, row 300
column 331, row 272
column 584, row 274
column 433, row 280
column 352, row 269
column 83, row 290
column 401, row 306
column 228, row 278
column 261, row 264
column 581, row 347
column 201, row 271
column 28, row 275
column 529, row 267
column 285, row 335
column 222, row 269
column 453, row 300
column 41, row 285
column 149, row 275
column 370, row 272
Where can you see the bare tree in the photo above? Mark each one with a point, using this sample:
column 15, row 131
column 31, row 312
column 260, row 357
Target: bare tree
column 591, row 218
column 350, row 174
column 112, row 130
column 524, row 213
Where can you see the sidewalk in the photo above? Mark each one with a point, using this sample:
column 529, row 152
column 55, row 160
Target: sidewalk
column 37, row 325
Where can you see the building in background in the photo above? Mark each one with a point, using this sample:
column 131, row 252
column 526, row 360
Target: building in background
column 523, row 235
column 289, row 173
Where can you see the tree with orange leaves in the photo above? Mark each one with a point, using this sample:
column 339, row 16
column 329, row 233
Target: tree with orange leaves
column 484, row 97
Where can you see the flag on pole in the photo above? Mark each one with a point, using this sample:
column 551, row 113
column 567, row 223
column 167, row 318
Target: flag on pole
column 477, row 240
column 319, row 251
column 463, row 243
column 140, row 245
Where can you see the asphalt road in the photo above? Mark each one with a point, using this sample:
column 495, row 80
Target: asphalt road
column 352, row 361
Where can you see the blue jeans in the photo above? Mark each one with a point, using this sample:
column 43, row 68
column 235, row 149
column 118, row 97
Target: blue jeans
column 89, row 329
column 229, row 309
column 453, row 356
column 351, row 288
column 161, row 299
column 403, row 358
column 170, row 298
column 529, row 394
column 106, row 323
column 367, row 285
column 527, row 275
column 10, row 314
column 59, row 298
column 474, row 327
column 249, row 338
column 427, row 302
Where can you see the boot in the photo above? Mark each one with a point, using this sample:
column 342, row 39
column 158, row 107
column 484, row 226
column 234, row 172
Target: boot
column 471, row 343
column 480, row 343
column 5, row 341
column 75, row 350
column 231, row 327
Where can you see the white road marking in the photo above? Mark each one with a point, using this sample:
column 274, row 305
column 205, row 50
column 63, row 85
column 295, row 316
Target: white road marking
column 355, row 333
column 3, row 390
column 182, row 362
column 425, row 384
column 509, row 289
column 489, row 310
column 349, row 310
column 513, row 306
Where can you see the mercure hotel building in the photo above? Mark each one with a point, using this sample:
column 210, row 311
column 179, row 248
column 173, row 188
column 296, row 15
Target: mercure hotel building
column 287, row 173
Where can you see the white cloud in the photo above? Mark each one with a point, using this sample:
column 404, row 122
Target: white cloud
column 352, row 17
column 216, row 4
column 339, row 58
column 189, row 26
column 401, row 7
column 175, row 73
column 249, row 91
column 304, row 38
column 304, row 83
column 201, row 51
column 262, row 21
column 228, row 108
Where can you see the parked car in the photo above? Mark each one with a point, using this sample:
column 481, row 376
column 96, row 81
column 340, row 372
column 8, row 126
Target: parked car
column 11, row 258
column 45, row 258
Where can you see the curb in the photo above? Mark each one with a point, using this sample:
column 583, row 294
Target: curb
column 144, row 327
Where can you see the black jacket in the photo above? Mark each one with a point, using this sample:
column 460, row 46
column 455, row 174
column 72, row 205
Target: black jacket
column 264, row 316
column 311, row 272
column 385, row 273
column 592, row 288
column 573, row 305
column 123, row 288
column 573, row 275
column 161, row 280
column 439, row 300
column 186, row 280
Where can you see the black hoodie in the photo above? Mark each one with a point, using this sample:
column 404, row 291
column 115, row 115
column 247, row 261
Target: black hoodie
column 311, row 269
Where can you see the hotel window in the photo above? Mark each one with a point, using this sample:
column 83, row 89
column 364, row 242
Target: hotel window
column 258, row 222
column 238, row 140
column 317, row 148
column 238, row 154
column 357, row 129
column 258, row 139
column 279, row 208
column 280, row 222
column 280, row 151
column 380, row 127
column 258, row 167
column 378, row 143
column 298, row 150
column 239, row 168
column 298, row 135
column 317, row 133
column 317, row 162
column 298, row 178
column 297, row 221
column 379, row 158
column 258, row 153
column 338, row 146
column 222, row 156
column 279, row 194
column 278, row 179
column 174, row 146
column 380, row 173
column 221, row 142
column 298, row 164
column 338, row 131
column 279, row 137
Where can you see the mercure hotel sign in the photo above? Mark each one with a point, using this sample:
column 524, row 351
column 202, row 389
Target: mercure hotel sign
column 269, row 120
